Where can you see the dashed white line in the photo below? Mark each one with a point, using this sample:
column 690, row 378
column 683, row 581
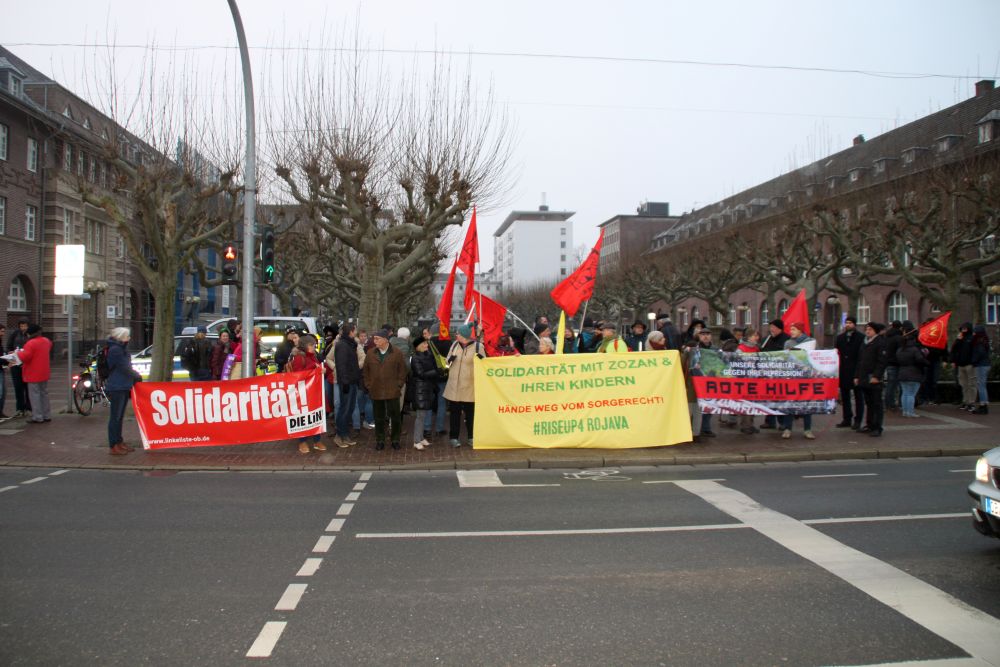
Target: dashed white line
column 345, row 509
column 360, row 486
column 335, row 525
column 478, row 478
column 291, row 597
column 58, row 472
column 35, row 479
column 969, row 470
column 309, row 567
column 354, row 495
column 268, row 637
column 7, row 488
column 323, row 544
column 365, row 476
column 671, row 481
column 849, row 474
column 898, row 517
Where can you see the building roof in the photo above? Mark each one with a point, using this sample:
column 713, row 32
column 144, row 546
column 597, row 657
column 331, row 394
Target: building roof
column 537, row 215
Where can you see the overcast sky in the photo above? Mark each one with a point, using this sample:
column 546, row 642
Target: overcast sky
column 600, row 135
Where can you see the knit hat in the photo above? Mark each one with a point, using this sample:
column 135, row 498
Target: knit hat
column 203, row 330
column 588, row 323
column 404, row 333
column 778, row 323
column 877, row 326
column 798, row 325
column 539, row 328
column 908, row 326
column 465, row 331
column 381, row 333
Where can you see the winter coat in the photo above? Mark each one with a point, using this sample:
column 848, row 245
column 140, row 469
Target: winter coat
column 35, row 357
column 961, row 349
column 672, row 335
column 345, row 358
column 848, row 346
column 531, row 345
column 746, row 347
column 197, row 355
column 461, row 369
column 121, row 376
column 980, row 347
column 424, row 371
column 304, row 361
column 403, row 345
column 385, row 375
column 893, row 341
column 872, row 362
column 283, row 354
column 219, row 353
column 774, row 343
column 912, row 361
column 803, row 342
column 16, row 339
column 615, row 345
column 636, row 342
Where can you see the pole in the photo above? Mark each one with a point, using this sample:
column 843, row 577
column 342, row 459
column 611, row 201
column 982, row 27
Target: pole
column 70, row 409
column 249, row 200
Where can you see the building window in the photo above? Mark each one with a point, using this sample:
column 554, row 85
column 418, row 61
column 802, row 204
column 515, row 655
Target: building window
column 718, row 319
column 782, row 307
column 993, row 309
column 3, row 215
column 562, row 231
column 562, row 244
column 121, row 252
column 863, row 312
column 14, row 85
column 67, row 157
column 30, row 217
column 562, row 258
column 4, row 139
column 732, row 314
column 79, row 163
column 86, row 123
column 747, row 314
column 562, row 272
column 17, row 297
column 67, row 226
column 94, row 237
column 32, row 154
column 765, row 313
column 985, row 133
column 898, row 308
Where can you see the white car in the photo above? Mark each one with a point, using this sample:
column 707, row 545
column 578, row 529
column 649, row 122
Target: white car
column 141, row 361
column 985, row 490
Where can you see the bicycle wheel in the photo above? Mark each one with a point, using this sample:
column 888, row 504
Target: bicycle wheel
column 83, row 396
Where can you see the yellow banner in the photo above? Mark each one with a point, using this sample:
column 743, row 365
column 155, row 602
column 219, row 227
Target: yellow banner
column 598, row 401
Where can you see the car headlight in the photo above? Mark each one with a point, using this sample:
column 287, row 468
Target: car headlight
column 982, row 470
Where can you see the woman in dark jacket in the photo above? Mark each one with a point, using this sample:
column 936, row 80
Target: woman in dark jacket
column 220, row 351
column 981, row 362
column 424, row 372
column 118, row 387
column 912, row 364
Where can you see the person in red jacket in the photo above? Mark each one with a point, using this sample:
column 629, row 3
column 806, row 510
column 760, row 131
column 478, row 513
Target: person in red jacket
column 304, row 359
column 35, row 372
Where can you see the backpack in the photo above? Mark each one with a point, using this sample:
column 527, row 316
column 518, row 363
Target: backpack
column 103, row 370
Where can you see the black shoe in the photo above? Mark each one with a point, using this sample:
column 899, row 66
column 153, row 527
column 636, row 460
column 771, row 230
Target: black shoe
column 844, row 424
column 865, row 429
column 875, row 433
column 395, row 445
column 856, row 426
column 981, row 410
column 707, row 434
column 379, row 446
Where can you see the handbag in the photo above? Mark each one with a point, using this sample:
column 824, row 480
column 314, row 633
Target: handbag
column 440, row 362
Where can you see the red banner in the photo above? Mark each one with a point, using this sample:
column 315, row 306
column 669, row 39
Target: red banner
column 579, row 285
column 231, row 412
column 935, row 332
column 767, row 389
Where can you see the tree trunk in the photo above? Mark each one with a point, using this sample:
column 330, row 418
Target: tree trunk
column 372, row 308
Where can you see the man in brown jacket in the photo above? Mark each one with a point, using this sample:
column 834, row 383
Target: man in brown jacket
column 385, row 376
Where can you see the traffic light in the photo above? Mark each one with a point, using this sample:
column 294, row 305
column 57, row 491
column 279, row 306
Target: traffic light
column 267, row 255
column 230, row 267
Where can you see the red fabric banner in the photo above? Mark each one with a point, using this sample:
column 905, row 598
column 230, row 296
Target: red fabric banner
column 935, row 333
column 444, row 307
column 231, row 412
column 579, row 285
column 491, row 317
column 468, row 258
column 767, row 389
column 798, row 311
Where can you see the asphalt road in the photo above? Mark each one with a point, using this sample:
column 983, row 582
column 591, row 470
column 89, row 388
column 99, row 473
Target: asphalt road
column 840, row 563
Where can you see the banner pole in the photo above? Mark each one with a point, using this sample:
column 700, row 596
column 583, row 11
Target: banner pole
column 531, row 330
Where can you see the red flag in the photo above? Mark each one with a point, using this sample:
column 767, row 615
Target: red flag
column 798, row 311
column 935, row 332
column 444, row 308
column 468, row 258
column 491, row 319
column 579, row 285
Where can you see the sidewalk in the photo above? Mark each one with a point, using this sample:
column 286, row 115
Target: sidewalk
column 73, row 441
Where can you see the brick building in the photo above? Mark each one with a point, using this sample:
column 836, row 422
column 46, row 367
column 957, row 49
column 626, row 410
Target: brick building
column 627, row 237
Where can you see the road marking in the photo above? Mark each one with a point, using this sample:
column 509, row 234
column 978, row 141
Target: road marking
column 969, row 470
column 290, row 598
column 543, row 533
column 365, row 476
column 309, row 567
column 7, row 488
column 478, row 478
column 268, row 637
column 971, row 630
column 671, row 481
column 521, row 486
column 323, row 544
column 940, row 662
column 36, row 479
column 849, row 474
column 58, row 472
column 360, row 486
column 345, row 509
column 335, row 525
column 354, row 495
column 890, row 517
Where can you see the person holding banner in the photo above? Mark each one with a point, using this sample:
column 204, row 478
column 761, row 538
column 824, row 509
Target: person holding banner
column 704, row 343
column 118, row 387
column 460, row 390
column 798, row 340
column 305, row 359
column 611, row 342
column 385, row 376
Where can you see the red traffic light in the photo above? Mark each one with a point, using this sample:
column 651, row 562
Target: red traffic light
column 230, row 254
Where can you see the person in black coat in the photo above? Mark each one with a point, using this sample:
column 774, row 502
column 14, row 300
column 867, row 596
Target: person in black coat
column 912, row 364
column 869, row 375
column 425, row 376
column 848, row 346
column 776, row 337
column 348, row 372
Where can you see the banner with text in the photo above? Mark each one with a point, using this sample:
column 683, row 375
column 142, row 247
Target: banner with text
column 597, row 401
column 231, row 412
column 793, row 382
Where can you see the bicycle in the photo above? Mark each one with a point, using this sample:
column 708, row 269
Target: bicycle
column 88, row 388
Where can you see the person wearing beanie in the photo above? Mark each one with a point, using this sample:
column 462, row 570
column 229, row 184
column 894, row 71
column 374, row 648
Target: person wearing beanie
column 852, row 399
column 776, row 337
column 460, row 390
column 869, row 376
column 532, row 344
column 196, row 357
column 36, row 371
column 912, row 366
column 961, row 360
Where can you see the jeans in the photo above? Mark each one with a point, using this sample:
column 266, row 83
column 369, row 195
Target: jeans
column 981, row 374
column 119, row 401
column 330, row 394
column 891, row 386
column 787, row 421
column 363, row 411
column 348, row 396
column 909, row 396
column 387, row 408
column 38, row 393
column 439, row 412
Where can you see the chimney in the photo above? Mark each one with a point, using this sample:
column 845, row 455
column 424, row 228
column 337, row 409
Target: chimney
column 544, row 206
column 984, row 86
column 860, row 139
